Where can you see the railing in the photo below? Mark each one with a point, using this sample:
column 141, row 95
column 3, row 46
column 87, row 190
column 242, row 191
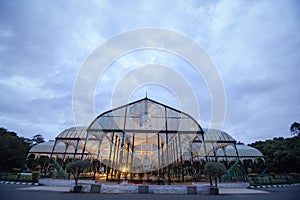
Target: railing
column 21, row 177
column 273, row 180
column 233, row 174
column 60, row 171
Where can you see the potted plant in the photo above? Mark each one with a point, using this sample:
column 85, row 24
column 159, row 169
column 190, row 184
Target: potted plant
column 36, row 176
column 214, row 170
column 76, row 167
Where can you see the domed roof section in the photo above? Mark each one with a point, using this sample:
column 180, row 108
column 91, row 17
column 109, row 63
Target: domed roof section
column 244, row 151
column 74, row 132
column 46, row 147
column 214, row 135
column 213, row 139
column 76, row 136
column 247, row 151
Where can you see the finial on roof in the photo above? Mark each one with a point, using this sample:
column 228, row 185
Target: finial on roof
column 146, row 94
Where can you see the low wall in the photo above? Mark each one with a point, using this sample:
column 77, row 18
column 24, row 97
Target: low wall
column 20, row 177
column 142, row 189
column 91, row 186
column 225, row 184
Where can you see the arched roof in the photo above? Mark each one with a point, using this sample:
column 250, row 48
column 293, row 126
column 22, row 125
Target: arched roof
column 46, row 147
column 146, row 118
column 145, row 115
column 244, row 152
column 76, row 136
column 214, row 135
column 73, row 132
column 213, row 139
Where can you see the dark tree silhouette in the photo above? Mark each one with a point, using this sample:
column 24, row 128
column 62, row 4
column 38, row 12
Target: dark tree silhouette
column 282, row 155
column 13, row 150
column 295, row 129
column 37, row 139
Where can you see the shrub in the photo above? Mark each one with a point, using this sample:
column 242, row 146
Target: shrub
column 16, row 170
column 36, row 176
column 214, row 169
column 295, row 175
column 253, row 175
column 76, row 168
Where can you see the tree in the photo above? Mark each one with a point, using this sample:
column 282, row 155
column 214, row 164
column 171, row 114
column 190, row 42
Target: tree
column 295, row 129
column 281, row 155
column 37, row 139
column 13, row 150
column 214, row 169
column 77, row 167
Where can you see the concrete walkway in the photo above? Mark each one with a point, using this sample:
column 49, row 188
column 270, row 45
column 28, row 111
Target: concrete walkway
column 221, row 190
column 240, row 191
column 48, row 188
column 59, row 185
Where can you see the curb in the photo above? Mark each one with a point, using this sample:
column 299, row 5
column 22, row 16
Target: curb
column 274, row 186
column 18, row 183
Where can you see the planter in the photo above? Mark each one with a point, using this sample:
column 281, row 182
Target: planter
column 95, row 188
column 213, row 191
column 35, row 176
column 143, row 189
column 77, row 189
column 191, row 190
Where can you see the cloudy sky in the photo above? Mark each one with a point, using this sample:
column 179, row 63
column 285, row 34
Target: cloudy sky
column 254, row 45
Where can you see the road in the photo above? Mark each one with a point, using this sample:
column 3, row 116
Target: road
column 13, row 192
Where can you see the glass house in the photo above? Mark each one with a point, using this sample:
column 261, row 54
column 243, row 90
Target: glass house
column 146, row 137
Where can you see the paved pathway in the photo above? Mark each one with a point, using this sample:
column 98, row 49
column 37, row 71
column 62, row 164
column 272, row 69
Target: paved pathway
column 60, row 185
column 240, row 191
column 221, row 190
column 14, row 192
column 48, row 188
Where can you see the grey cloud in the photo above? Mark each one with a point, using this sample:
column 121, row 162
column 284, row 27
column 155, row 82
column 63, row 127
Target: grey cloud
column 254, row 45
